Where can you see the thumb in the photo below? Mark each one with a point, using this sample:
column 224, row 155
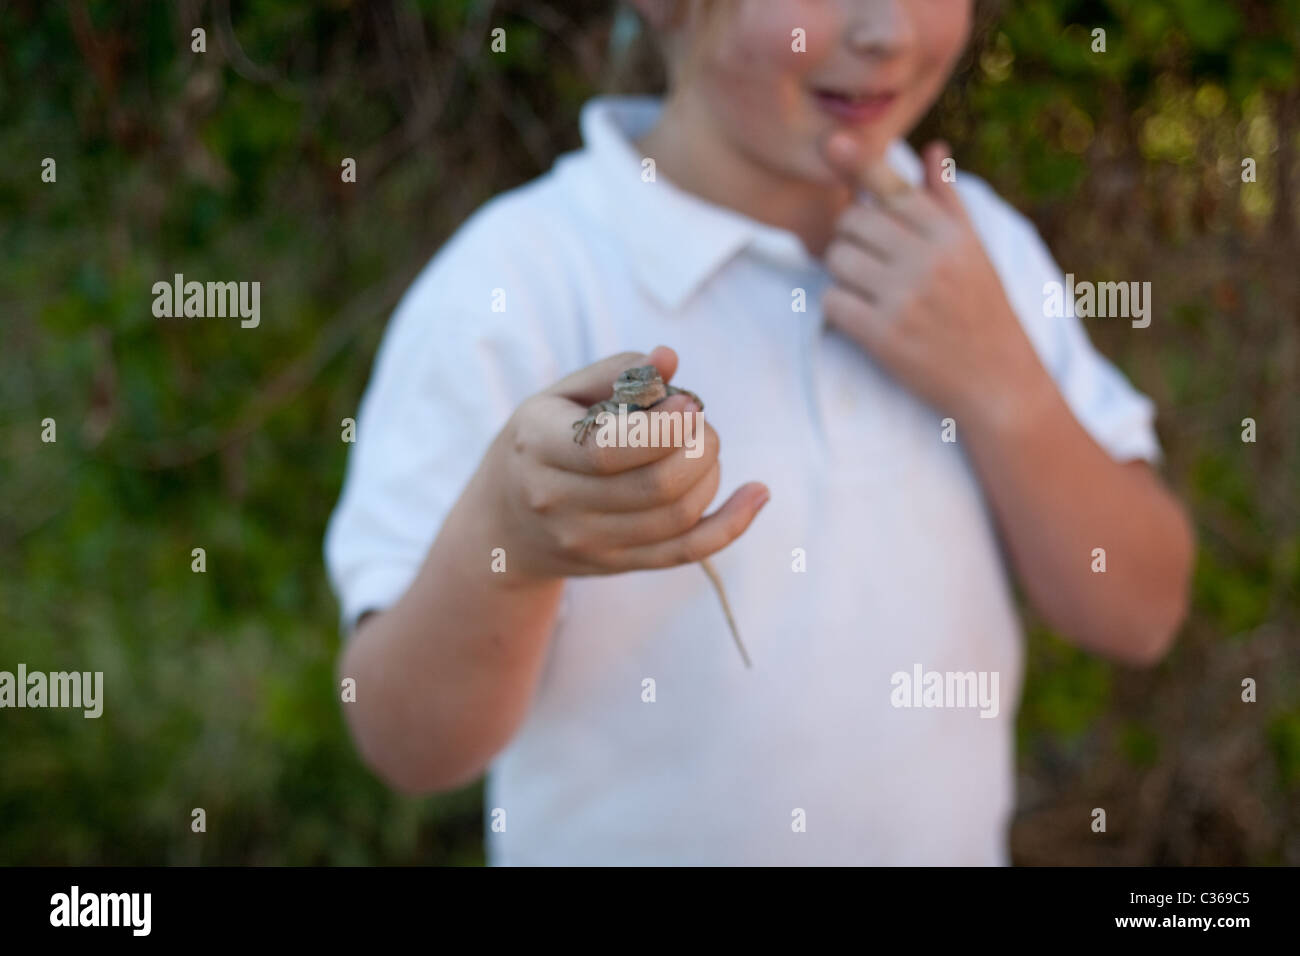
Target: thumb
column 846, row 157
column 934, row 156
column 593, row 384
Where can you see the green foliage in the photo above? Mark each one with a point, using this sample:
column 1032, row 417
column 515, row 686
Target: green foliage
column 1141, row 747
column 1065, row 690
column 1284, row 737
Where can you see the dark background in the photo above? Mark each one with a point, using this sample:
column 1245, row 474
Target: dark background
column 173, row 434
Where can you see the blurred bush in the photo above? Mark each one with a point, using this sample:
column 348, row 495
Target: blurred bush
column 174, row 435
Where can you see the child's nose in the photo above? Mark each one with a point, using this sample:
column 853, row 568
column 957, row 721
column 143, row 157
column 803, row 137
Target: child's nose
column 877, row 27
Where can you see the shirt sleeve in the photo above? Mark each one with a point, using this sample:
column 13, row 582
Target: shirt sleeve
column 465, row 346
column 1117, row 416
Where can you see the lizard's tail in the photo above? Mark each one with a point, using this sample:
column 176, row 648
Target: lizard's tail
column 726, row 608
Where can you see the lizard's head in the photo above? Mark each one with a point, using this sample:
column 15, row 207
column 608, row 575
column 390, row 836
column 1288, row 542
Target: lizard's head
column 638, row 377
column 641, row 385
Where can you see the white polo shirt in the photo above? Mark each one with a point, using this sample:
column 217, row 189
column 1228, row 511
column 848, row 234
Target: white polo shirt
column 804, row 759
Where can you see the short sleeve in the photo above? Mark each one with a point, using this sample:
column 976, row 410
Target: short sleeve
column 1117, row 416
column 468, row 342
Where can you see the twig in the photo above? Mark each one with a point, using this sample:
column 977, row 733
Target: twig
column 239, row 60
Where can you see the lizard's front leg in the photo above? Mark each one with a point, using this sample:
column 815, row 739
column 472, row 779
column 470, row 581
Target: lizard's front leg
column 588, row 421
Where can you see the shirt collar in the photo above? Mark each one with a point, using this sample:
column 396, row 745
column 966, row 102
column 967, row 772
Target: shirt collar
column 678, row 241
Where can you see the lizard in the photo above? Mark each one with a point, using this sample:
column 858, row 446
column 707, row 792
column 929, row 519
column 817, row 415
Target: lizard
column 639, row 389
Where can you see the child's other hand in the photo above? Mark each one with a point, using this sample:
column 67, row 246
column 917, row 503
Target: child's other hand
column 572, row 509
column 914, row 287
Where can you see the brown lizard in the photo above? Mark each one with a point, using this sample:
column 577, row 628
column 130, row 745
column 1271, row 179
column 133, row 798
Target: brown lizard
column 639, row 389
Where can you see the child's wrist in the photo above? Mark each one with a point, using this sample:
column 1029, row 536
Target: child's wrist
column 1015, row 406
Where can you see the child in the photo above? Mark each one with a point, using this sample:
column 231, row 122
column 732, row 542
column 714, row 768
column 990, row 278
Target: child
column 538, row 612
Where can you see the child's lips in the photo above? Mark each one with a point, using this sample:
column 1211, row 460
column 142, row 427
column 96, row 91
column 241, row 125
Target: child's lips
column 849, row 107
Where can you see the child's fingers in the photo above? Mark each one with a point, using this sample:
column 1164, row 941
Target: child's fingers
column 875, row 176
column 657, row 483
column 713, row 533
column 852, row 313
column 877, row 234
column 855, row 268
column 915, row 209
column 549, row 436
column 592, row 384
column 943, row 191
column 844, row 155
column 629, row 529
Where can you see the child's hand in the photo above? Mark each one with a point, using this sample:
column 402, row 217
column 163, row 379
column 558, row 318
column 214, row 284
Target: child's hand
column 570, row 509
column 915, row 288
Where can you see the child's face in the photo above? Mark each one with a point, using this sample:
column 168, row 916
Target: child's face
column 872, row 67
